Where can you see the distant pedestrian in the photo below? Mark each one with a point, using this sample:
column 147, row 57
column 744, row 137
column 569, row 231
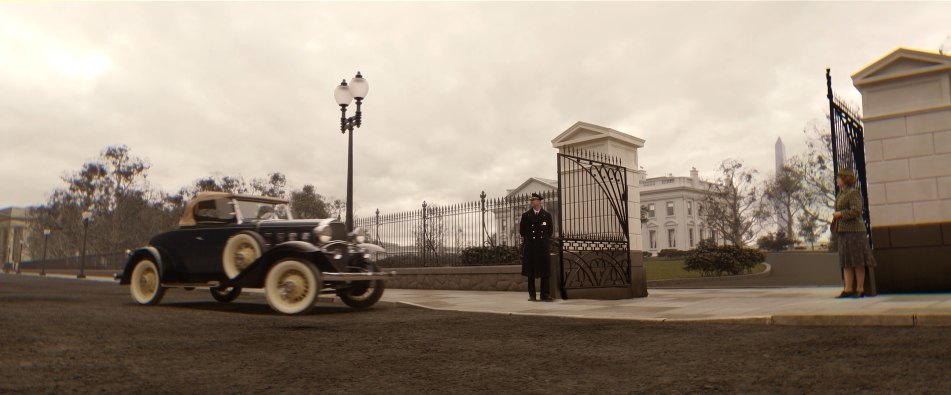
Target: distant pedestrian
column 536, row 228
column 849, row 227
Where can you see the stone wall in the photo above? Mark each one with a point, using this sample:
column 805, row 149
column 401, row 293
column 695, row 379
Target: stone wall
column 475, row 278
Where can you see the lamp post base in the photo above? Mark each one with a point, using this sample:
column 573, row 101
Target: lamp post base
column 80, row 275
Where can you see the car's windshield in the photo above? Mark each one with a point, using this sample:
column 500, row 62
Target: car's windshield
column 257, row 211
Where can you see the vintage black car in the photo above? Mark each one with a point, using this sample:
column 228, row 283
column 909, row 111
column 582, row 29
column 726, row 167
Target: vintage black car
column 228, row 242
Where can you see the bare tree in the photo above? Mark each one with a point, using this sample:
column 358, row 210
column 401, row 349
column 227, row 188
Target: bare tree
column 733, row 208
column 430, row 232
column 337, row 207
column 816, row 198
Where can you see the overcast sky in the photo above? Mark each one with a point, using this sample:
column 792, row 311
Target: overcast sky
column 464, row 97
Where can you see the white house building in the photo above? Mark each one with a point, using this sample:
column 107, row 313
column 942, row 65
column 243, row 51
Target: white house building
column 507, row 218
column 673, row 206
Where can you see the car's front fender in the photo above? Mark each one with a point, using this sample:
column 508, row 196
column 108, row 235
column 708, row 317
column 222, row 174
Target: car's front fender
column 137, row 255
column 253, row 276
column 372, row 248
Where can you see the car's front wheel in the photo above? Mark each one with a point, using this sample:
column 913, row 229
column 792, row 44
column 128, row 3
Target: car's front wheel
column 292, row 286
column 363, row 294
column 226, row 295
column 146, row 283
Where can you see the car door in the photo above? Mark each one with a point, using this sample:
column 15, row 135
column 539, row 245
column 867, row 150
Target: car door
column 215, row 224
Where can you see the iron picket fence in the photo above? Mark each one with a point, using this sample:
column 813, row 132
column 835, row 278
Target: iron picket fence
column 474, row 233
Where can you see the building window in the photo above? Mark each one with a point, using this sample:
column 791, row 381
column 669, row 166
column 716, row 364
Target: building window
column 653, row 239
column 670, row 208
column 690, row 236
column 671, row 242
column 699, row 208
column 650, row 210
column 689, row 207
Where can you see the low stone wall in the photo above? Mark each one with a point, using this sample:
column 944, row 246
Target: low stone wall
column 473, row 278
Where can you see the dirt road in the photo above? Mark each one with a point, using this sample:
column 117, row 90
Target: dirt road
column 60, row 336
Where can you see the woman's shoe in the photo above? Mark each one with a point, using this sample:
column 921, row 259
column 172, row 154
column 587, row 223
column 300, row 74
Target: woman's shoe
column 859, row 295
column 845, row 294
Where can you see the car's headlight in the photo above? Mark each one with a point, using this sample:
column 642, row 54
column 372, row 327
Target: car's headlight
column 359, row 236
column 324, row 233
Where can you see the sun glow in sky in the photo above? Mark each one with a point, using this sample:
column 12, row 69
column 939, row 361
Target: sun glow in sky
column 464, row 96
column 80, row 65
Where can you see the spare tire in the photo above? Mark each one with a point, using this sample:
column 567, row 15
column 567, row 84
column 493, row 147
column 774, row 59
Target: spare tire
column 240, row 251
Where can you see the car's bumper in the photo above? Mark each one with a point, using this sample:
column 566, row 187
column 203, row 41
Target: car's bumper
column 358, row 276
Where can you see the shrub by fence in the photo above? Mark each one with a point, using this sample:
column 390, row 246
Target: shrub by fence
column 670, row 253
column 712, row 260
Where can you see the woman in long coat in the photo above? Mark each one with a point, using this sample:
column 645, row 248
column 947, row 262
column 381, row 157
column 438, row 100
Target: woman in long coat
column 854, row 252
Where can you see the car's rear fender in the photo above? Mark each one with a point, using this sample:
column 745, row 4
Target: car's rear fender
column 137, row 255
column 253, row 276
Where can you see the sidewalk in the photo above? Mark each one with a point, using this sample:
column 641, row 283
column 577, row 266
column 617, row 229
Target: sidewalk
column 765, row 306
column 768, row 306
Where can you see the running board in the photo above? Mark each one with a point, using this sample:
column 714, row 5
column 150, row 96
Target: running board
column 210, row 284
column 358, row 276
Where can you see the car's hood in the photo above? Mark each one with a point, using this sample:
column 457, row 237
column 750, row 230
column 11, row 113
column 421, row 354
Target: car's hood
column 291, row 223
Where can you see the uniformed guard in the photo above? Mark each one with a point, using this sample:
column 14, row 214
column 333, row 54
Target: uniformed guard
column 536, row 228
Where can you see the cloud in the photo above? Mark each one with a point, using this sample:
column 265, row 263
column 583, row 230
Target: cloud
column 464, row 97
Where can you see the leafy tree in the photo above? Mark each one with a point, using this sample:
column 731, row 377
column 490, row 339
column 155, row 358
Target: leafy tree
column 783, row 193
column 275, row 185
column 733, row 207
column 126, row 212
column 307, row 203
column 809, row 229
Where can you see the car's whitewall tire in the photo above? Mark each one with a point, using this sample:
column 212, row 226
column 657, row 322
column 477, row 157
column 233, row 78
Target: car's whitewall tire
column 240, row 251
column 146, row 283
column 292, row 286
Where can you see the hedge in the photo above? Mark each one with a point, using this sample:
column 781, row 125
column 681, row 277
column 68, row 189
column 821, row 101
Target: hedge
column 712, row 260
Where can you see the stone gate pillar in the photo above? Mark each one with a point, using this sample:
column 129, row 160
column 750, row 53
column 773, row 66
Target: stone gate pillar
column 906, row 99
column 599, row 139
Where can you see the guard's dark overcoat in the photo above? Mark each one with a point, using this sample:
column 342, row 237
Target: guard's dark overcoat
column 536, row 231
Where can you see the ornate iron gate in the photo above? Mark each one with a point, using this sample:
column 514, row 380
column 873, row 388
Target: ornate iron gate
column 848, row 146
column 592, row 201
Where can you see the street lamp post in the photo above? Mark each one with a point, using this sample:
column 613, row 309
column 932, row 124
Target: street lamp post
column 344, row 94
column 46, row 238
column 87, row 216
column 19, row 257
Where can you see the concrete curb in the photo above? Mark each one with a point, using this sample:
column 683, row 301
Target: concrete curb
column 858, row 320
column 101, row 279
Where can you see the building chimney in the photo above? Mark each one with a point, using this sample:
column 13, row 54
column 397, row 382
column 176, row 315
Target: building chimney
column 695, row 176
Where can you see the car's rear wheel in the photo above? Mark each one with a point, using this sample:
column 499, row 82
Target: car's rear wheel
column 240, row 251
column 292, row 286
column 146, row 283
column 363, row 294
column 226, row 295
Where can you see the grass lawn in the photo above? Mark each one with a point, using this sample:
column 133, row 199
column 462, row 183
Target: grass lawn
column 662, row 269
